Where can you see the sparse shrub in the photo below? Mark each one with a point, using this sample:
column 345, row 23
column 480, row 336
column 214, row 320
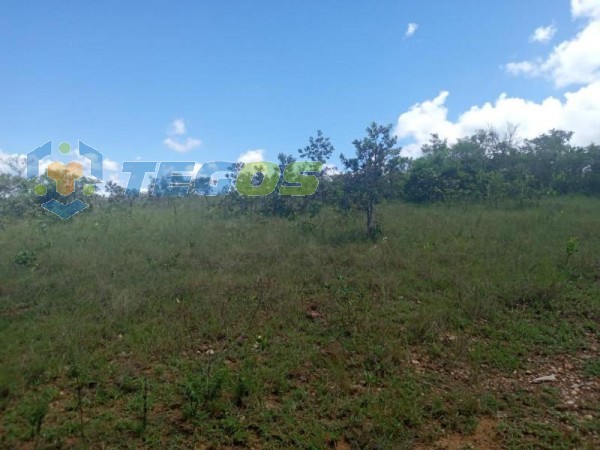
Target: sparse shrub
column 35, row 409
column 25, row 258
column 202, row 392
column 571, row 248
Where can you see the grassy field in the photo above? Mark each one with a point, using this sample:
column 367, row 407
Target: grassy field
column 161, row 327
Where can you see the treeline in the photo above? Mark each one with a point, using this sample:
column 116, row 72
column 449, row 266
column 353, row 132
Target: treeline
column 490, row 167
column 487, row 166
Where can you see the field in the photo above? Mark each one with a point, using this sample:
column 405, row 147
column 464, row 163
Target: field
column 179, row 326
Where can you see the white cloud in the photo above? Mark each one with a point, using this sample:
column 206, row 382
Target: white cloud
column 411, row 29
column 110, row 165
column 423, row 119
column 543, row 34
column 182, row 147
column 331, row 170
column 177, row 128
column 572, row 62
column 585, row 8
column 576, row 61
column 579, row 112
column 522, row 68
column 9, row 160
column 257, row 155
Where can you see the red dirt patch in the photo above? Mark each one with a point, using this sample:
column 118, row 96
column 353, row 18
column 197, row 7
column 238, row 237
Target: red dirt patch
column 484, row 438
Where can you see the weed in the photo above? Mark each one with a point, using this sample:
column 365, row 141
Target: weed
column 571, row 248
column 592, row 367
column 25, row 258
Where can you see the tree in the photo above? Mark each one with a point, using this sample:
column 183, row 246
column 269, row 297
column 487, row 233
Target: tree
column 114, row 190
column 318, row 149
column 17, row 164
column 545, row 153
column 376, row 158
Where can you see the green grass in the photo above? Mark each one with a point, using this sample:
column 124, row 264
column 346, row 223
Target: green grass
column 173, row 327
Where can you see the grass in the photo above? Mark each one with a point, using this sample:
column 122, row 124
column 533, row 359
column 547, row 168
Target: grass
column 165, row 327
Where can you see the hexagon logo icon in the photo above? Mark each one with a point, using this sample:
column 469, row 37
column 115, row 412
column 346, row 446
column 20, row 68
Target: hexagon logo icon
column 64, row 177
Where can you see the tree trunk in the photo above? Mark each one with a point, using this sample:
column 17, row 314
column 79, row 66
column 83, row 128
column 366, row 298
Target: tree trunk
column 370, row 218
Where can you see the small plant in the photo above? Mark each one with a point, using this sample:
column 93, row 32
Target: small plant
column 350, row 307
column 376, row 232
column 144, row 404
column 25, row 258
column 35, row 410
column 306, row 226
column 172, row 261
column 141, row 403
column 592, row 367
column 191, row 394
column 241, row 391
column 76, row 374
column 571, row 248
column 200, row 392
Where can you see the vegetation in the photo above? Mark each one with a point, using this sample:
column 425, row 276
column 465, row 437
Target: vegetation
column 173, row 326
column 376, row 159
column 219, row 322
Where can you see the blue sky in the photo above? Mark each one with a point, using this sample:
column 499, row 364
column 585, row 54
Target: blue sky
column 248, row 75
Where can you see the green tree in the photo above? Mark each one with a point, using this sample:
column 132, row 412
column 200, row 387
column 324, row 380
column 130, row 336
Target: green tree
column 318, row 149
column 376, row 158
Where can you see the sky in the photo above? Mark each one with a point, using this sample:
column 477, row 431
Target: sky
column 245, row 80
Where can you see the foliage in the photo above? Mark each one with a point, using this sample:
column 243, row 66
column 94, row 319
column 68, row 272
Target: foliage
column 318, row 148
column 377, row 159
column 147, row 328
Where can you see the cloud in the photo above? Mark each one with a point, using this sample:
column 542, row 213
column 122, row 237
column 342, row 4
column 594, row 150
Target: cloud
column 522, row 68
column 578, row 111
column 110, row 165
column 423, row 119
column 585, row 8
column 331, row 170
column 177, row 128
column 411, row 29
column 182, row 147
column 572, row 62
column 252, row 156
column 8, row 161
column 576, row 61
column 543, row 34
